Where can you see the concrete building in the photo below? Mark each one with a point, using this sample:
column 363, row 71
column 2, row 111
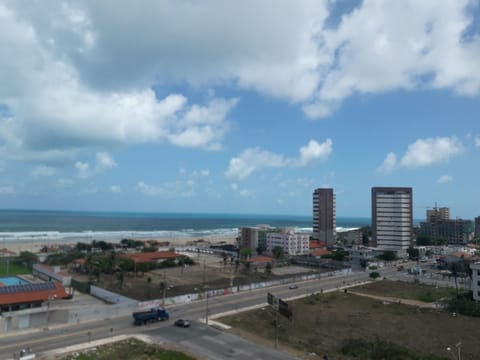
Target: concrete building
column 350, row 237
column 456, row 231
column 253, row 237
column 476, row 280
column 437, row 214
column 248, row 238
column 324, row 215
column 292, row 243
column 477, row 227
column 392, row 217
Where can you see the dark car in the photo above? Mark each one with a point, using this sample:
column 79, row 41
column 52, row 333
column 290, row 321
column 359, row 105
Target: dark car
column 294, row 286
column 182, row 323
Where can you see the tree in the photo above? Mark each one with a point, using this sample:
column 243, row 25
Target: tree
column 261, row 248
column 366, row 233
column 413, row 253
column 374, row 275
column 149, row 249
column 247, row 265
column 388, row 255
column 26, row 258
column 245, row 253
column 277, row 252
column 424, row 240
column 149, row 286
column 268, row 269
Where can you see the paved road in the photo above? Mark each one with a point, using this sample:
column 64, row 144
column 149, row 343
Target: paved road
column 42, row 341
column 200, row 339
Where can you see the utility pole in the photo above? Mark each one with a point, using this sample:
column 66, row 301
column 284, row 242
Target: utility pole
column 206, row 307
column 276, row 328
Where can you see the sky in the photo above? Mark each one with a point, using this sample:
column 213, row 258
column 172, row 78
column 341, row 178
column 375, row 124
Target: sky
column 238, row 107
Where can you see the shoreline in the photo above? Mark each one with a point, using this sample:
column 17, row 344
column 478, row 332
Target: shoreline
column 34, row 246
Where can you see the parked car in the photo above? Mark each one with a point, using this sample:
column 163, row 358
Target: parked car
column 293, row 286
column 182, row 323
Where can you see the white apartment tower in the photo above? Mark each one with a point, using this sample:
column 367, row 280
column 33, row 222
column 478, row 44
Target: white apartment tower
column 324, row 215
column 392, row 217
column 291, row 243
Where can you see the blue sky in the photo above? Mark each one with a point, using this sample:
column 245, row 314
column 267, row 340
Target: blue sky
column 238, row 107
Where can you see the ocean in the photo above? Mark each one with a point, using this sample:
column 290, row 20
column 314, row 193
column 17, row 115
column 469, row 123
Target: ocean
column 72, row 226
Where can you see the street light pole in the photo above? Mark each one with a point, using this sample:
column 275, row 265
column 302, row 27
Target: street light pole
column 206, row 307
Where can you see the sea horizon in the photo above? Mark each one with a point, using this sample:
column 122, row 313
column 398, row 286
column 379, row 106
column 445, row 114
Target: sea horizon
column 27, row 225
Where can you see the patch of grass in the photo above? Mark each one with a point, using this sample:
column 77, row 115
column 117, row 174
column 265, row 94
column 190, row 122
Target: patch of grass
column 321, row 323
column 130, row 349
column 404, row 290
column 380, row 349
column 13, row 269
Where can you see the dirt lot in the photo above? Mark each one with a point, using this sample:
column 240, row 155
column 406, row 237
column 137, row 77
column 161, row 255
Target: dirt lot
column 321, row 322
column 208, row 269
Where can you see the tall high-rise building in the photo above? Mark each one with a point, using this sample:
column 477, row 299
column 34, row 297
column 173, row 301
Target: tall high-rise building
column 324, row 215
column 392, row 217
column 437, row 214
column 477, row 227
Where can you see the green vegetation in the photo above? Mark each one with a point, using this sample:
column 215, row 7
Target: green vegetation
column 387, row 255
column 130, row 349
column 26, row 259
column 374, row 275
column 366, row 234
column 338, row 255
column 8, row 267
column 464, row 304
column 277, row 252
column 245, row 253
column 381, row 349
column 330, row 323
column 404, row 290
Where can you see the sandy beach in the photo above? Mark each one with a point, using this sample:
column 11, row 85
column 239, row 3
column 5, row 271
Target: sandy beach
column 36, row 246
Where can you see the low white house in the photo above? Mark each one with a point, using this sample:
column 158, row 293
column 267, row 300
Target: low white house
column 476, row 280
column 291, row 242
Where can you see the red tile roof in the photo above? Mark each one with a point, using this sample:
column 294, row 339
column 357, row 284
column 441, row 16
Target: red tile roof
column 152, row 256
column 320, row 252
column 80, row 261
column 260, row 259
column 5, row 251
column 314, row 244
column 33, row 296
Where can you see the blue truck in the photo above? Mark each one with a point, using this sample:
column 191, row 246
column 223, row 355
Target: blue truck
column 155, row 314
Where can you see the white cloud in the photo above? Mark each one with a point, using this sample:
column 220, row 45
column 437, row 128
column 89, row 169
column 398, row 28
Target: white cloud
column 254, row 159
column 43, row 171
column 104, row 161
column 444, row 179
column 477, row 141
column 115, row 189
column 74, row 86
column 7, row 189
column 54, row 112
column 205, row 172
column 388, row 45
column 169, row 190
column 315, row 151
column 246, row 193
column 65, row 182
column 431, row 151
column 251, row 160
column 389, row 164
column 83, row 169
column 234, row 186
column 423, row 152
